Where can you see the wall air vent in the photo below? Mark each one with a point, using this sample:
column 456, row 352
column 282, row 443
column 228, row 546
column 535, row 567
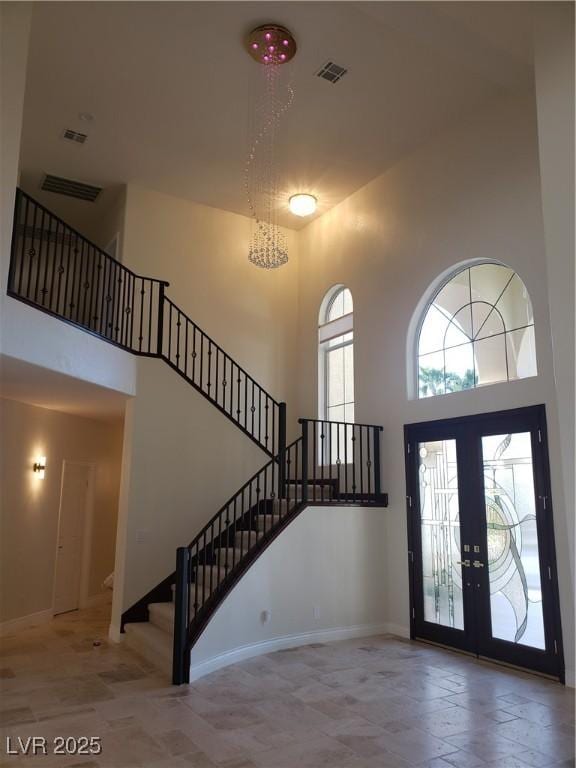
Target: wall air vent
column 331, row 72
column 75, row 136
column 77, row 189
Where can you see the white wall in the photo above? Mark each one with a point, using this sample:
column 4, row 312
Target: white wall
column 473, row 193
column 203, row 253
column 554, row 68
column 32, row 336
column 30, row 506
column 182, row 458
column 329, row 559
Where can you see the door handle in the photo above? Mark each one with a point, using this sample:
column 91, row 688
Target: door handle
column 478, row 564
column 465, row 563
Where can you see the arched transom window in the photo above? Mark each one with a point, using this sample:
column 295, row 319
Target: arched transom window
column 336, row 356
column 478, row 329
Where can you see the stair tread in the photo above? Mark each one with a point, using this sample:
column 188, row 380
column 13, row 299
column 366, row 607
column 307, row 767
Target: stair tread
column 162, row 616
column 165, row 609
column 146, row 629
column 151, row 642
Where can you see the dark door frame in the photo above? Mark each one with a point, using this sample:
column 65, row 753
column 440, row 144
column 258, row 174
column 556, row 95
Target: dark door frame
column 467, row 640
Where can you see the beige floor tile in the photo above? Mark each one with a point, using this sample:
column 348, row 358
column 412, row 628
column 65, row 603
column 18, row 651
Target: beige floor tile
column 379, row 702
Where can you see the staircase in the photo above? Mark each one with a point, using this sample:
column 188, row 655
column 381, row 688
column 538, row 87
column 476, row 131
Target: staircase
column 56, row 270
column 208, row 582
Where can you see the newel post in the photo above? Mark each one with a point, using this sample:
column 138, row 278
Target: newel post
column 304, row 423
column 281, row 450
column 161, row 291
column 181, row 656
column 377, row 489
column 12, row 268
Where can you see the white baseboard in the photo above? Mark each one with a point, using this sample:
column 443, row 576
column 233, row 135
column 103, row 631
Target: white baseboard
column 399, row 630
column 570, row 677
column 25, row 622
column 202, row 668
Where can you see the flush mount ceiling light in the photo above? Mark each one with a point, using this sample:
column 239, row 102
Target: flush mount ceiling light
column 271, row 46
column 302, row 204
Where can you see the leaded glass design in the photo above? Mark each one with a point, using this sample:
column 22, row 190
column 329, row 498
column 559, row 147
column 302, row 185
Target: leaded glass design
column 440, row 533
column 513, row 559
column 478, row 330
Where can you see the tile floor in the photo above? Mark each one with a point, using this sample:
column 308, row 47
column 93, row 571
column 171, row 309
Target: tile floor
column 377, row 702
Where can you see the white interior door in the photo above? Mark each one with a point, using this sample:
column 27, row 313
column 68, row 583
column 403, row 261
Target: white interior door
column 73, row 506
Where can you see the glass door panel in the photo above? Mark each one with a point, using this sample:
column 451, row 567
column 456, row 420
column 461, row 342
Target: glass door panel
column 512, row 540
column 440, row 533
column 481, row 535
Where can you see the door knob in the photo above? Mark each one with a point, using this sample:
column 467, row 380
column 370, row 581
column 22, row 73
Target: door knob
column 478, row 564
column 465, row 563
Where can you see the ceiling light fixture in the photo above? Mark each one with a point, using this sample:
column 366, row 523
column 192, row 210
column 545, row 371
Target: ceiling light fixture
column 270, row 46
column 302, row 204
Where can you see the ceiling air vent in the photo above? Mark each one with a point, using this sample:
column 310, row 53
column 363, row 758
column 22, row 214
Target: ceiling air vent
column 331, row 72
column 77, row 189
column 75, row 136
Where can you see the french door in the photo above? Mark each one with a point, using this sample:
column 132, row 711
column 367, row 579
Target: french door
column 481, row 538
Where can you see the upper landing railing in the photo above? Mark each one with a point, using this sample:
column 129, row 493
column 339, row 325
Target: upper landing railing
column 57, row 270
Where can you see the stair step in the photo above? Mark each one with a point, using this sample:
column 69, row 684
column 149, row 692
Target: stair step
column 195, row 593
column 246, row 539
column 264, row 522
column 162, row 616
column 230, row 555
column 151, row 642
column 211, row 574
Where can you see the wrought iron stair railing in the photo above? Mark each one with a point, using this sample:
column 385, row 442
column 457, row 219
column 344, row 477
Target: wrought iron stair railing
column 58, row 271
column 311, row 470
column 55, row 269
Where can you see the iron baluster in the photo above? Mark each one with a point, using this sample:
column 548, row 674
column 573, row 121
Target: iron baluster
column 54, row 258
column 194, row 356
column 201, row 360
column 180, row 657
column 44, row 290
column 39, row 257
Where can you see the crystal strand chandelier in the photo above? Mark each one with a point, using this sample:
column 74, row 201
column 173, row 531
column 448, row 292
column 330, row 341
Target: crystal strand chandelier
column 271, row 46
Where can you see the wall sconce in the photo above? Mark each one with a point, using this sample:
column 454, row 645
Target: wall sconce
column 40, row 467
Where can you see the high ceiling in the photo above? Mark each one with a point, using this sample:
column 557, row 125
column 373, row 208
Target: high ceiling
column 169, row 87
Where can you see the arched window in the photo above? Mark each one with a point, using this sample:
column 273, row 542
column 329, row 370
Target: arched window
column 336, row 356
column 478, row 329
